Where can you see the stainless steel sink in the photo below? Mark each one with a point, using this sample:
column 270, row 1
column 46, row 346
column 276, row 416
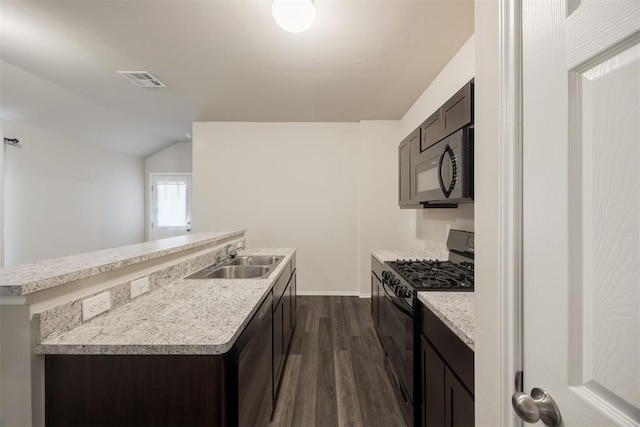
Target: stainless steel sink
column 255, row 260
column 241, row 267
column 238, row 272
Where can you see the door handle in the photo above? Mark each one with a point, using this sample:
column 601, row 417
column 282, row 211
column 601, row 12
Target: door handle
column 539, row 406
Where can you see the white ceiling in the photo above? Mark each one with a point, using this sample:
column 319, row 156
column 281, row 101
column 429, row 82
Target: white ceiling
column 221, row 61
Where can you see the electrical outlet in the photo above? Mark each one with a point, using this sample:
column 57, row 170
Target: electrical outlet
column 139, row 286
column 412, row 221
column 95, row 305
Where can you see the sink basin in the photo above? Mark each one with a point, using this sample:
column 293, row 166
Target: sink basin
column 238, row 272
column 240, row 267
column 232, row 272
column 255, row 260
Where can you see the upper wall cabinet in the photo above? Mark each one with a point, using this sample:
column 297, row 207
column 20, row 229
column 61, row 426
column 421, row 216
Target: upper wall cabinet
column 451, row 162
column 408, row 148
column 455, row 114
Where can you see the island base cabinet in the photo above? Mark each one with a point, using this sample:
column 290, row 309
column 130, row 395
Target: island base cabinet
column 231, row 389
column 284, row 321
column 278, row 346
column 140, row 390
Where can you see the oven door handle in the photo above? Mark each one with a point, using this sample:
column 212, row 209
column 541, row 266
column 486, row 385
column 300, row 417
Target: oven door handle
column 398, row 302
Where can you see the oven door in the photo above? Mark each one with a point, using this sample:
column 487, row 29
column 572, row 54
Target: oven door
column 396, row 335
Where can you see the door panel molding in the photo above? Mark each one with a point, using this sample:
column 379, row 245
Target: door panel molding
column 575, row 206
column 510, row 115
column 596, row 26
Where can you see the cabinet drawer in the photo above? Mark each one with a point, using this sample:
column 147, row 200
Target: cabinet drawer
column 281, row 284
column 453, row 350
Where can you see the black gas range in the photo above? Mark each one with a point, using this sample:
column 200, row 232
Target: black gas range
column 395, row 309
column 428, row 275
column 407, row 277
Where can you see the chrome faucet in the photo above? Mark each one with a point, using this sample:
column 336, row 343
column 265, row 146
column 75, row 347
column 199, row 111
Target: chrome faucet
column 230, row 254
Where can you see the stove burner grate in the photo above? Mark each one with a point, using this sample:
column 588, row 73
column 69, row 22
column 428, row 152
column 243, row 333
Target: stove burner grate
column 435, row 275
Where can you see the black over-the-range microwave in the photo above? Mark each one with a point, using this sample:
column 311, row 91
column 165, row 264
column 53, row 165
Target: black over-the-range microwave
column 442, row 174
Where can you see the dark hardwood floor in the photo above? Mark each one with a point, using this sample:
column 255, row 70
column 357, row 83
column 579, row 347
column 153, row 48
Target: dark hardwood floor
column 334, row 375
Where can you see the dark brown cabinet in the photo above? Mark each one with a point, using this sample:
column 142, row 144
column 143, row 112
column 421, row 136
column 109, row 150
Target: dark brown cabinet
column 284, row 315
column 166, row 390
column 431, row 130
column 446, row 375
column 408, row 149
column 377, row 293
column 278, row 345
column 293, row 292
column 458, row 402
column 236, row 388
column 455, row 114
column 432, row 385
column 375, row 300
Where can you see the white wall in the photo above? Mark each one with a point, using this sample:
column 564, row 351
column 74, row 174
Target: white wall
column 63, row 197
column 2, row 134
column 176, row 158
column 343, row 175
column 431, row 224
column 382, row 224
column 289, row 185
column 490, row 367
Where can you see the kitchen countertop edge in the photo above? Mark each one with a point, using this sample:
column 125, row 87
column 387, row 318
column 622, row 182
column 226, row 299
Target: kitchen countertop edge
column 431, row 251
column 32, row 277
column 455, row 309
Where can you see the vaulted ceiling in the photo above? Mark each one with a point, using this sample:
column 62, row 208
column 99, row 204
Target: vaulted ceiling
column 220, row 60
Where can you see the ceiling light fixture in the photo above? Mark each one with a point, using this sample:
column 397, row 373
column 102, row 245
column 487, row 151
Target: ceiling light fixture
column 294, row 16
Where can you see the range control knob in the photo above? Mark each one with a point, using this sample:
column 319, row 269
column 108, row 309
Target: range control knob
column 405, row 293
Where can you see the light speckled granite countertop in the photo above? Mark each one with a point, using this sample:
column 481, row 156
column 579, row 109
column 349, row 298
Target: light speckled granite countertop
column 431, row 251
column 184, row 317
column 455, row 309
column 28, row 278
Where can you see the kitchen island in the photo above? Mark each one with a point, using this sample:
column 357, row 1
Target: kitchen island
column 41, row 310
column 197, row 351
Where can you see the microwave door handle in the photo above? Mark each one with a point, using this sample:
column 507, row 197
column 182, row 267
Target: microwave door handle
column 446, row 150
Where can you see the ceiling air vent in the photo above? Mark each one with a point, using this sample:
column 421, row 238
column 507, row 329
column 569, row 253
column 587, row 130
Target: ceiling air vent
column 142, row 78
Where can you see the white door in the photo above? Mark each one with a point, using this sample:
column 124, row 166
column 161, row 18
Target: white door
column 170, row 205
column 581, row 208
